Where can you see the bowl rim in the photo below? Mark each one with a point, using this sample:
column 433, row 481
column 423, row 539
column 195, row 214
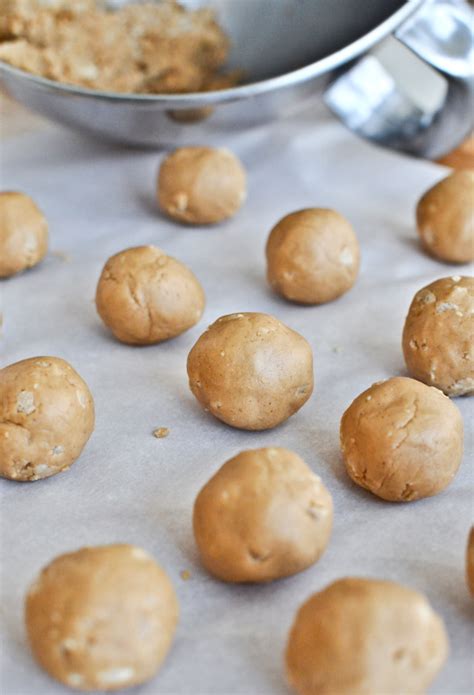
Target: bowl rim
column 199, row 99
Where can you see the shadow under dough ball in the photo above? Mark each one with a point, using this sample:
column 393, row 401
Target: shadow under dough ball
column 361, row 636
column 23, row 233
column 145, row 296
column 470, row 561
column 101, row 618
column 46, row 418
column 201, row 185
column 445, row 218
column 251, row 371
column 262, row 516
column 438, row 335
column 312, row 256
column 402, row 440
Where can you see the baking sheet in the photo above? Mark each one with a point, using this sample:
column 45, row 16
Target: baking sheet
column 129, row 486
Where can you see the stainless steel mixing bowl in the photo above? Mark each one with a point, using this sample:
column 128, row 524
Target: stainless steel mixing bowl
column 292, row 51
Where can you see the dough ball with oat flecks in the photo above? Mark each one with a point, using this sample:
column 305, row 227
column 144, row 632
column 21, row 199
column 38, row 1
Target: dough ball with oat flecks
column 251, row 371
column 438, row 335
column 201, row 185
column 365, row 637
column 145, row 296
column 312, row 256
column 402, row 440
column 101, row 618
column 46, row 418
column 23, row 233
column 262, row 516
column 445, row 218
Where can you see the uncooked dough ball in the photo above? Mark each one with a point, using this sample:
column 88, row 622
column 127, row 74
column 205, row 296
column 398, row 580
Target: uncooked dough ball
column 145, row 296
column 312, row 256
column 438, row 335
column 251, row 371
column 101, row 618
column 365, row 637
column 23, row 233
column 402, row 440
column 470, row 561
column 445, row 218
column 201, row 185
column 262, row 516
column 46, row 418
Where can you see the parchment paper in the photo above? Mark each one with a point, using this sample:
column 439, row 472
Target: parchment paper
column 129, row 486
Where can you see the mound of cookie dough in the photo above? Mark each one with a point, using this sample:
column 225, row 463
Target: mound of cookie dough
column 438, row 335
column 145, row 296
column 46, row 418
column 361, row 636
column 402, row 440
column 312, row 256
column 23, row 233
column 238, row 517
column 101, row 618
column 251, row 371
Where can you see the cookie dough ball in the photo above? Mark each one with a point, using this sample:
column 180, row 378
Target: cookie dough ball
column 470, row 561
column 46, row 418
column 23, row 233
column 312, row 256
column 145, row 296
column 201, row 185
column 251, row 371
column 238, row 517
column 402, row 440
column 438, row 335
column 363, row 637
column 101, row 618
column 445, row 218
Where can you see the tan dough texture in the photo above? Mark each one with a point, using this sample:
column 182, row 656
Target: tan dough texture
column 201, row 185
column 470, row 561
column 145, row 296
column 46, row 418
column 251, row 371
column 101, row 618
column 402, row 440
column 23, row 233
column 438, row 335
column 365, row 637
column 312, row 256
column 262, row 516
column 445, row 218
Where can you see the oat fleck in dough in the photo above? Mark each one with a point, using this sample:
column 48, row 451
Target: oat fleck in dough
column 438, row 335
column 145, row 296
column 445, row 218
column 251, row 371
column 201, row 185
column 142, row 48
column 312, row 256
column 23, row 233
column 46, row 418
column 101, row 618
column 402, row 440
column 365, row 637
column 262, row 516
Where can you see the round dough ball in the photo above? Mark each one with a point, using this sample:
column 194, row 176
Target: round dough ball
column 101, row 618
column 251, row 371
column 365, row 637
column 312, row 256
column 262, row 516
column 145, row 296
column 402, row 440
column 23, row 233
column 437, row 337
column 445, row 218
column 46, row 418
column 470, row 561
column 201, row 185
